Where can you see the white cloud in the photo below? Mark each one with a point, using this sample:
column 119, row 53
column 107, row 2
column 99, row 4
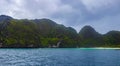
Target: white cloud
column 100, row 5
column 33, row 8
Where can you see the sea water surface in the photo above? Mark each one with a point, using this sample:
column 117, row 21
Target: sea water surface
column 59, row 57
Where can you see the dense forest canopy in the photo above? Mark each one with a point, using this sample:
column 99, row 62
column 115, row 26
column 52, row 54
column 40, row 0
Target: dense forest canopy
column 47, row 33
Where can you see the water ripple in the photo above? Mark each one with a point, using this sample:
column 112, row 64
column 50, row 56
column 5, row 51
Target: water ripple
column 59, row 57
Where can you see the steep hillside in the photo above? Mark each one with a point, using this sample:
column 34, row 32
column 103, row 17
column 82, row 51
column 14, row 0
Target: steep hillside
column 47, row 33
column 35, row 33
column 89, row 37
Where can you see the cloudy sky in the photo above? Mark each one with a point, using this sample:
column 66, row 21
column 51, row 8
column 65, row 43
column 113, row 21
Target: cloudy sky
column 103, row 15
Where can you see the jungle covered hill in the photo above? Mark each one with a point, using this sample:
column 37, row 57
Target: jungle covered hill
column 44, row 33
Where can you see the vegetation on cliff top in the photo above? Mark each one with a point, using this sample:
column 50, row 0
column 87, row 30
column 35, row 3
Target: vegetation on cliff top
column 47, row 33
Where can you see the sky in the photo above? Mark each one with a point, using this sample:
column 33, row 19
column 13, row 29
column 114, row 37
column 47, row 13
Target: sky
column 103, row 15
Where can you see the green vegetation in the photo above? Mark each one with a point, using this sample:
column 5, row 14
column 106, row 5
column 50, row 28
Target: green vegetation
column 47, row 33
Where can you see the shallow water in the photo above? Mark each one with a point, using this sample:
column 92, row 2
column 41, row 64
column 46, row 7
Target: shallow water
column 59, row 57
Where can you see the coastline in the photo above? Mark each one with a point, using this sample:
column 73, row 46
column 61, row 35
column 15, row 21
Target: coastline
column 116, row 48
column 101, row 48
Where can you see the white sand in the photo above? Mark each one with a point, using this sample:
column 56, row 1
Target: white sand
column 100, row 48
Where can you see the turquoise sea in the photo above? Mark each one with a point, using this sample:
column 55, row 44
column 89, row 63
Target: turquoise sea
column 59, row 57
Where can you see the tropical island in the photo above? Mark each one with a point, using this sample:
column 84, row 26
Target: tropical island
column 45, row 33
